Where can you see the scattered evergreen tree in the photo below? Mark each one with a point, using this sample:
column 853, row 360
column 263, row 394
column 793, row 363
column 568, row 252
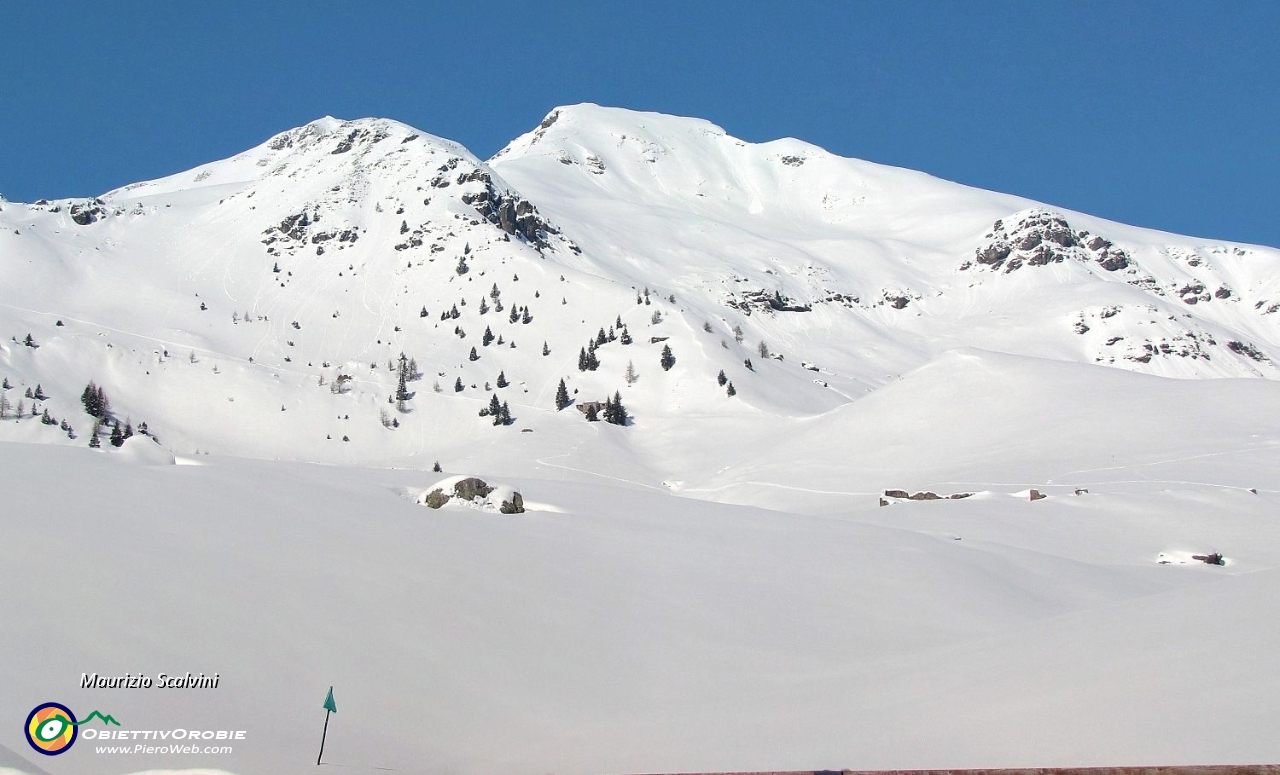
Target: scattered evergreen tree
column 275, row 268
column 128, row 430
column 502, row 379
column 638, row 299
column 45, row 419
column 473, row 355
column 747, row 363
column 483, row 307
column 39, row 393
column 499, row 338
column 404, row 227
column 721, row 378
column 592, row 414
column 515, row 314
column 423, row 313
column 763, row 349
column 95, row 402
column 28, row 393
column 582, row 359
column 614, row 412
column 618, row 323
column 525, row 317
column 601, row 338
column 117, row 438
column 706, row 327
column 462, row 267
column 494, row 293
column 631, row 376
column 730, row 390
column 562, row 396
column 487, row 338
column 402, row 392
column 454, row 313
column 494, row 408
column 668, row 360
column 436, row 467
column 457, row 385
column 625, row 338
column 656, row 317
column 6, row 384
column 737, row 334
column 545, row 350
column 94, row 441
column 29, row 342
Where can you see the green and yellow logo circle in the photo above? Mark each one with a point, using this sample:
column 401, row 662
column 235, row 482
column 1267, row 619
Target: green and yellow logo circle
column 51, row 728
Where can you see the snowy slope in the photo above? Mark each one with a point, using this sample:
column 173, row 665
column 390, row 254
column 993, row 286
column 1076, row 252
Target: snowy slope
column 715, row 586
column 613, row 628
column 220, row 304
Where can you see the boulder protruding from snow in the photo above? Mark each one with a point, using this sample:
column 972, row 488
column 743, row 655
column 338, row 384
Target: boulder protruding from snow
column 475, row 493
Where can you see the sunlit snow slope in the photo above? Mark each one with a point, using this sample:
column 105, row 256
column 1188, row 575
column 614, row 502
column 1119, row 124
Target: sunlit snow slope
column 219, row 305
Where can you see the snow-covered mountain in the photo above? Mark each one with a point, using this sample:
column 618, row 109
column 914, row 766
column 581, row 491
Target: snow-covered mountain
column 220, row 304
column 949, row 514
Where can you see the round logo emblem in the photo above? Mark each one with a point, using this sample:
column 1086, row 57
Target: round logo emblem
column 51, row 728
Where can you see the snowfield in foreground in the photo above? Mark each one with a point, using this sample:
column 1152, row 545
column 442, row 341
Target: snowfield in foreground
column 625, row 627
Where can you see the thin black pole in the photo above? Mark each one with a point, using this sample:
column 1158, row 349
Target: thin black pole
column 323, row 735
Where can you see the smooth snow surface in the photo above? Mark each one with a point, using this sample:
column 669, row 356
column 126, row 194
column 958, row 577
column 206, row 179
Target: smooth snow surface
column 713, row 586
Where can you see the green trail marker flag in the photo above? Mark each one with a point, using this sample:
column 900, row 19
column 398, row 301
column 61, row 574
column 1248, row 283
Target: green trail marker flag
column 329, row 707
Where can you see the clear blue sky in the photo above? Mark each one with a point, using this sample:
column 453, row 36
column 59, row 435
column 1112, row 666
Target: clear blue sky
column 1162, row 114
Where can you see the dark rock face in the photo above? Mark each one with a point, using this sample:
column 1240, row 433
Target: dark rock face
column 471, row 488
column 1039, row 238
column 85, row 213
column 1247, row 350
column 436, row 498
column 1037, row 495
column 763, row 300
column 514, row 215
